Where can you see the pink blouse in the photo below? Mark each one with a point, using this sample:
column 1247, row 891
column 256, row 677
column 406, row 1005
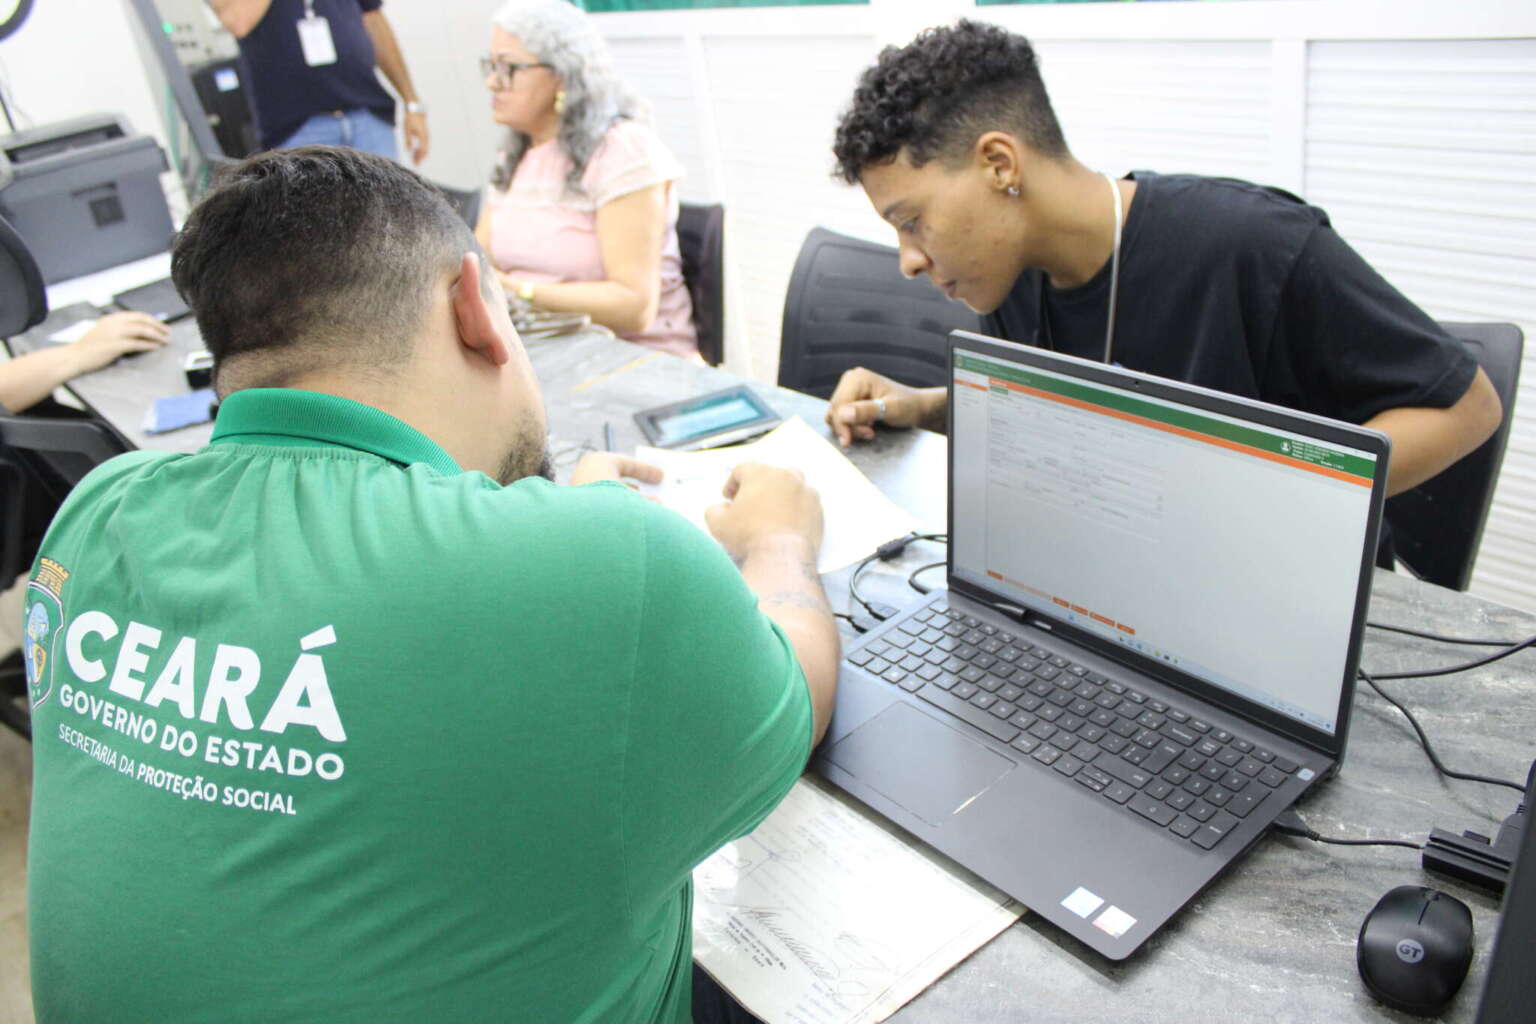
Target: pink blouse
column 545, row 233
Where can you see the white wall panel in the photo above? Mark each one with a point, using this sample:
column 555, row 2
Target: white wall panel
column 442, row 43
column 776, row 102
column 1424, row 154
column 1186, row 106
column 661, row 70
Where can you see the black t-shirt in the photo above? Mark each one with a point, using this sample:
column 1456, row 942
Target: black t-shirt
column 287, row 92
column 1247, row 290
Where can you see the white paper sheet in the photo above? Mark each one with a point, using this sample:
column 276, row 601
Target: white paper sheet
column 857, row 518
column 824, row 915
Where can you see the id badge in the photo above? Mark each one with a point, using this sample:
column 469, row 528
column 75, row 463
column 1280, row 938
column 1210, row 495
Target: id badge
column 315, row 39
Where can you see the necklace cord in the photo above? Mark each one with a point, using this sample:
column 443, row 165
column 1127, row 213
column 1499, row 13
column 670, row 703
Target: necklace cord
column 1114, row 271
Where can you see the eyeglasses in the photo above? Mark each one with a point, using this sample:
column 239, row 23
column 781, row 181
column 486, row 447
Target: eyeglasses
column 503, row 69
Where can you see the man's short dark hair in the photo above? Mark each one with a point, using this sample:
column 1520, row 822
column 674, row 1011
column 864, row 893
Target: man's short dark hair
column 311, row 257
column 935, row 96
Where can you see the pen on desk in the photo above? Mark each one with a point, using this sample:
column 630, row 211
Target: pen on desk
column 608, row 437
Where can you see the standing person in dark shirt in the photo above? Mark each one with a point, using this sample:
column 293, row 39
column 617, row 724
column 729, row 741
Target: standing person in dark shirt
column 1214, row 281
column 311, row 68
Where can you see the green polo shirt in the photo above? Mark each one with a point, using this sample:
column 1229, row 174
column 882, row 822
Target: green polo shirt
column 329, row 730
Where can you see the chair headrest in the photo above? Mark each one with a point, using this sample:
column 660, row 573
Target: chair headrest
column 23, row 298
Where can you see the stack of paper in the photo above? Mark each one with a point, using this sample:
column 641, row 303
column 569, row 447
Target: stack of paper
column 823, row 916
column 857, row 517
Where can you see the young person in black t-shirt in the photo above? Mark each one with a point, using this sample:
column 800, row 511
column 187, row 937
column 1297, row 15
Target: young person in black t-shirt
column 1218, row 282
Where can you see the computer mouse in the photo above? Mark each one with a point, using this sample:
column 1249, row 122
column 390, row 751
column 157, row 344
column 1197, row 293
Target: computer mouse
column 1414, row 949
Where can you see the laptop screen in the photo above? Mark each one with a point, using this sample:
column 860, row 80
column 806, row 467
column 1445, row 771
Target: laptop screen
column 1216, row 545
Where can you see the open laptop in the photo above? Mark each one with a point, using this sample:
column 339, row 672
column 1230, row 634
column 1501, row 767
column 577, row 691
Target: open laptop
column 159, row 299
column 1148, row 645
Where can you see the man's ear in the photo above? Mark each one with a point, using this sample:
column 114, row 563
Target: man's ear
column 999, row 157
column 472, row 313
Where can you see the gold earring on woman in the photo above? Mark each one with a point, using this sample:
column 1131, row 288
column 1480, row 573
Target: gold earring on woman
column 560, row 103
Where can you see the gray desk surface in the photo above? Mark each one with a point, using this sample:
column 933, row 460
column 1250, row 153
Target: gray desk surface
column 1271, row 941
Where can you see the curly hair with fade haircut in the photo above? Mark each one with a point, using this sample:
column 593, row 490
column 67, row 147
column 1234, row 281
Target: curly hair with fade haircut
column 936, row 95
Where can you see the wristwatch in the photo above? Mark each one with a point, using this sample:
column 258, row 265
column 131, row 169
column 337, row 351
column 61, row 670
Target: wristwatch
column 415, row 108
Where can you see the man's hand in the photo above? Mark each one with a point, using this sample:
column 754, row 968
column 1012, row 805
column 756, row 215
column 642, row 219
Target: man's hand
column 116, row 334
column 416, row 138
column 763, row 503
column 596, row 466
column 864, row 398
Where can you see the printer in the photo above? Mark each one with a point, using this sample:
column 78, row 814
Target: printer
column 84, row 194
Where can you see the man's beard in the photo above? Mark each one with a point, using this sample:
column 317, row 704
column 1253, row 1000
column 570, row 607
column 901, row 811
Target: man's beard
column 524, row 459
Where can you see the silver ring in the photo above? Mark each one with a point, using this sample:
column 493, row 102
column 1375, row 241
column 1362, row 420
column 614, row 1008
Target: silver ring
column 879, row 410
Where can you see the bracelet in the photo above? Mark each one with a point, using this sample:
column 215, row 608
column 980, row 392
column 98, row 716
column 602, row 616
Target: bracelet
column 412, row 107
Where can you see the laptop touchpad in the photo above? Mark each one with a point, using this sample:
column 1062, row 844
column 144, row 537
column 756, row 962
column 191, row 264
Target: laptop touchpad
column 924, row 765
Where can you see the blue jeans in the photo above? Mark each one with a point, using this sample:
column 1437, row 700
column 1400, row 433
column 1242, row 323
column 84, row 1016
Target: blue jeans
column 359, row 129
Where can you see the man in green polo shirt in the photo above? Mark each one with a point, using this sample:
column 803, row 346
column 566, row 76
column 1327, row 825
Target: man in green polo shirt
column 354, row 716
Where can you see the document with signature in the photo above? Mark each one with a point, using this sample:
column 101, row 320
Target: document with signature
column 857, row 518
column 825, row 915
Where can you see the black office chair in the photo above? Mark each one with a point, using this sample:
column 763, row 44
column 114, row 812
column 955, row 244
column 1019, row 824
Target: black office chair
column 848, row 306
column 41, row 460
column 41, row 456
column 701, row 239
column 23, row 297
column 23, row 304
column 13, row 678
column 1438, row 525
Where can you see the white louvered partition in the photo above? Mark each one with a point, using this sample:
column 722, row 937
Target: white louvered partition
column 660, row 70
column 1424, row 154
column 1200, row 107
column 777, row 170
column 772, row 172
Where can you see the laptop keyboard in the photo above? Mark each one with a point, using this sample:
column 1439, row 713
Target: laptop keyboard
column 1164, row 764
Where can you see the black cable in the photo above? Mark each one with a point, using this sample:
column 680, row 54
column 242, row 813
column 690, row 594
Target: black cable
column 1426, row 673
column 1434, row 758
column 891, row 548
column 1294, row 826
column 853, row 582
column 885, row 552
column 913, row 575
column 1441, row 637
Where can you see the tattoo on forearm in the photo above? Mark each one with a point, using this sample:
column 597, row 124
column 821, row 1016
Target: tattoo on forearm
column 796, row 599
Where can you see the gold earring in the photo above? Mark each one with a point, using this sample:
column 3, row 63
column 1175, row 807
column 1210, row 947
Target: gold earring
column 560, row 103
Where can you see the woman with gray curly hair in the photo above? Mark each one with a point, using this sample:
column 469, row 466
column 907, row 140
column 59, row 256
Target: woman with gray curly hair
column 582, row 211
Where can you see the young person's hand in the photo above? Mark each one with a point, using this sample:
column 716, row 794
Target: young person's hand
column 864, row 398
column 115, row 335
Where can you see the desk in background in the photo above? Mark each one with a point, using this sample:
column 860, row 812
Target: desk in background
column 1273, row 940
